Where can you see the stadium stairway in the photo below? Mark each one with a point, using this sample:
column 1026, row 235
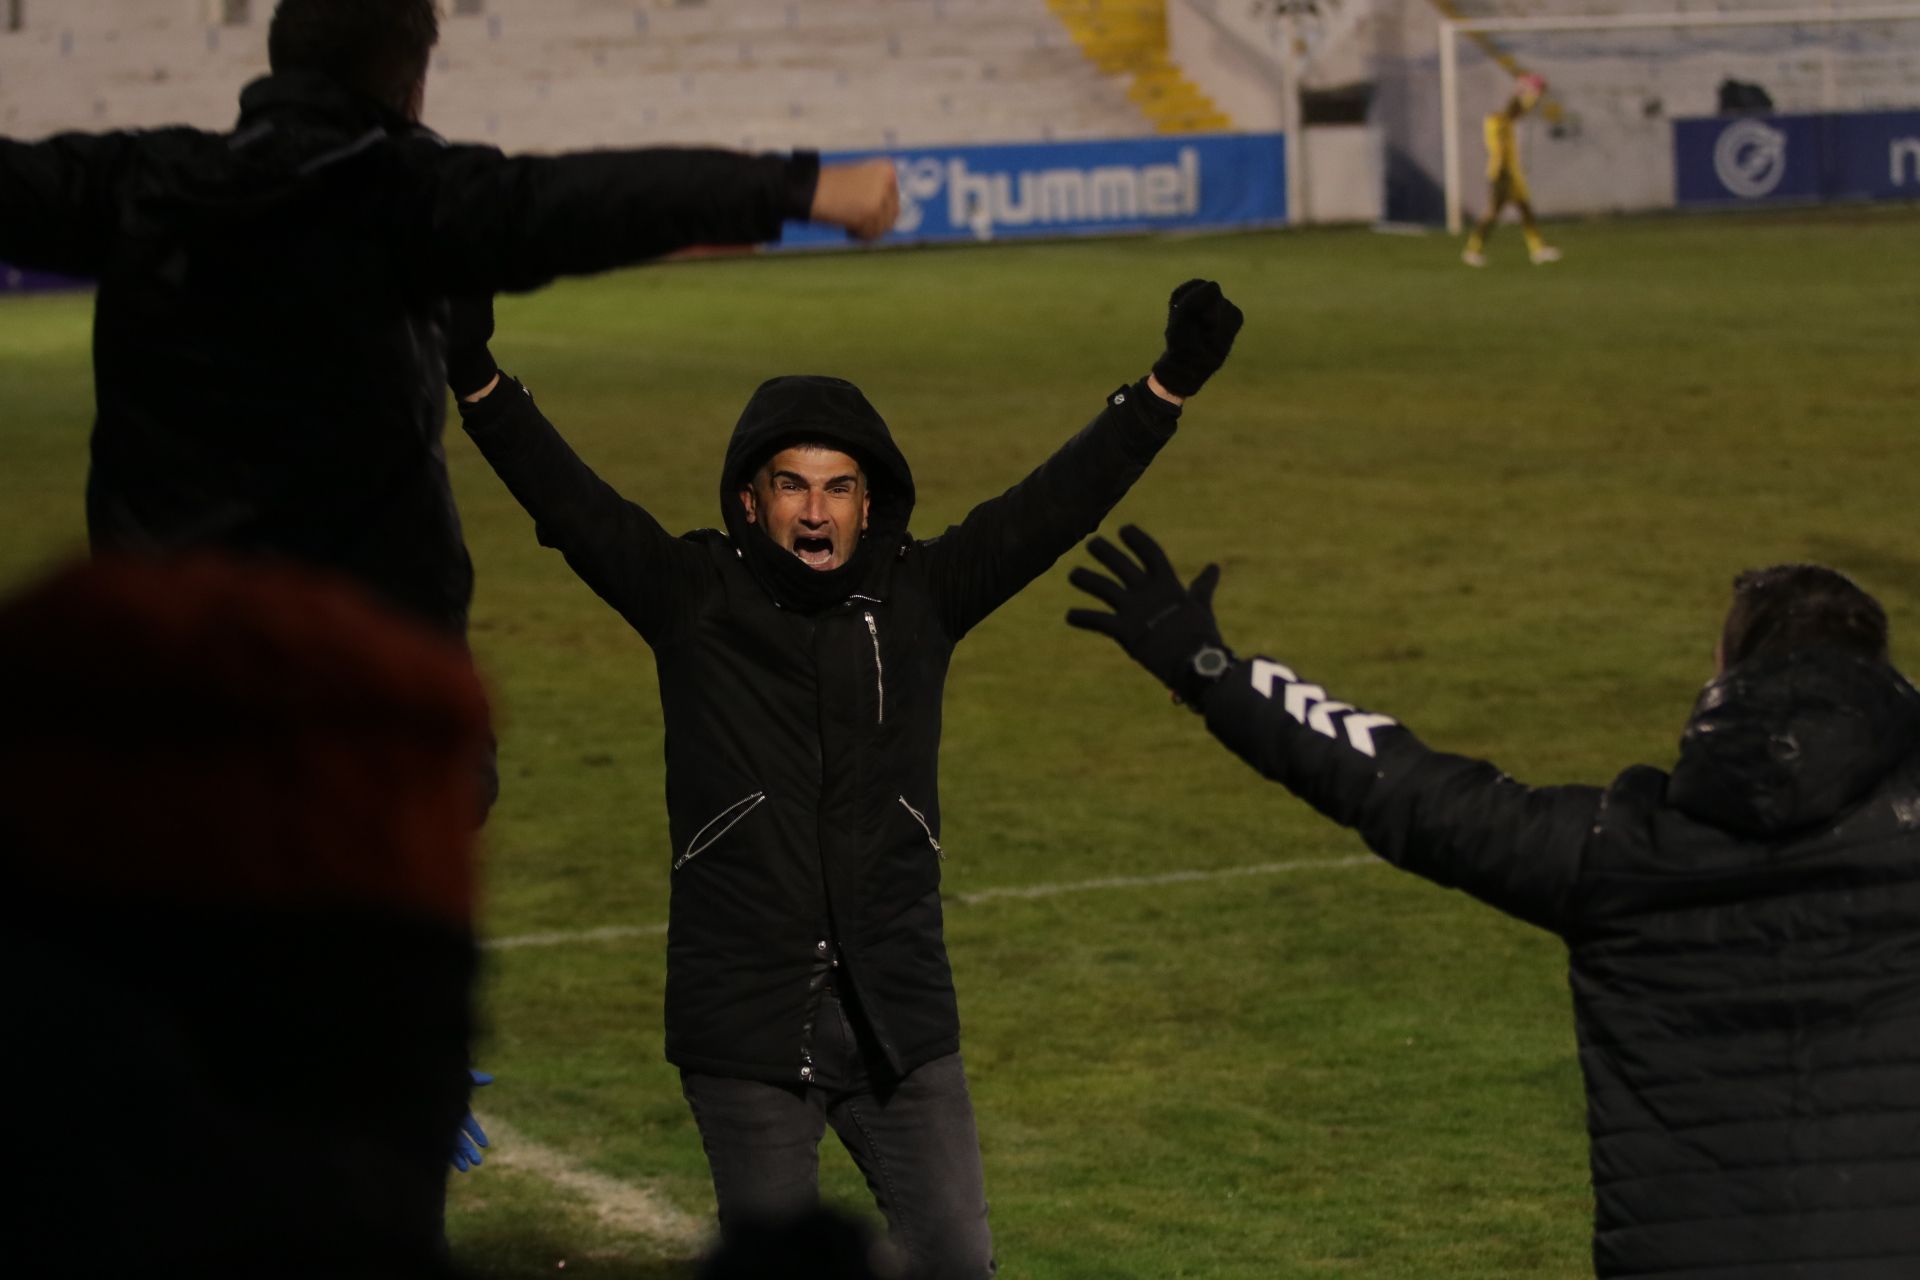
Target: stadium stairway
column 1129, row 37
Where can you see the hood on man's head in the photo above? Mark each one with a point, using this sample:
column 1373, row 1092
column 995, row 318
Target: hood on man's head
column 813, row 409
column 1778, row 744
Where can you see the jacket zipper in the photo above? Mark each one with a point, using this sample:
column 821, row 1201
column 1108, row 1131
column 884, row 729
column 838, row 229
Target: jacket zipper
column 732, row 813
column 921, row 818
column 879, row 671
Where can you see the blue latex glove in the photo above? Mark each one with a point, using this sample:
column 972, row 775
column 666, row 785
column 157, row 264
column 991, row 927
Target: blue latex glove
column 467, row 1142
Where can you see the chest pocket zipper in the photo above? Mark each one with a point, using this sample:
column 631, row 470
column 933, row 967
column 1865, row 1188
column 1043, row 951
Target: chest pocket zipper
column 880, row 683
column 725, row 820
column 921, row 818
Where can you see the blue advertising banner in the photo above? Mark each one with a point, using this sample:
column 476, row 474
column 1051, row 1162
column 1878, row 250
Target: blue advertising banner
column 1869, row 155
column 1079, row 188
column 16, row 280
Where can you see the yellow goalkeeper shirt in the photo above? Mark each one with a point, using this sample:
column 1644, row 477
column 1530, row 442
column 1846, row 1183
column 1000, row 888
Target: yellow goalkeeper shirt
column 1503, row 149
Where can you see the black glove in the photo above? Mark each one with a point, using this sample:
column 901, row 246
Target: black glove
column 1160, row 623
column 470, row 366
column 1201, row 324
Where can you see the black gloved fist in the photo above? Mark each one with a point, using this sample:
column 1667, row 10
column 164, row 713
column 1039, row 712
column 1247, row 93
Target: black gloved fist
column 470, row 366
column 1160, row 623
column 1201, row 324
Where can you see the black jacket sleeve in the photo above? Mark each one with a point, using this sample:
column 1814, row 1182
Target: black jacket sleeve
column 1456, row 821
column 487, row 221
column 58, row 200
column 651, row 577
column 1008, row 541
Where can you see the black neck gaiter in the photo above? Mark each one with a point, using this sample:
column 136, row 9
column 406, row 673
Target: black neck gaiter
column 791, row 583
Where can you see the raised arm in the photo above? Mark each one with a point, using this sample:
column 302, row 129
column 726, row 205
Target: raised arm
column 1456, row 821
column 1008, row 541
column 57, row 200
column 615, row 546
column 483, row 221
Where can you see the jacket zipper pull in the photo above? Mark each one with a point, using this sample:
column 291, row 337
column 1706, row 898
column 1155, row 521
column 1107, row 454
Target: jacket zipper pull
column 879, row 671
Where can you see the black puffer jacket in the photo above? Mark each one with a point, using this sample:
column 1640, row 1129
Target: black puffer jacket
column 1744, row 938
column 269, row 344
column 802, row 746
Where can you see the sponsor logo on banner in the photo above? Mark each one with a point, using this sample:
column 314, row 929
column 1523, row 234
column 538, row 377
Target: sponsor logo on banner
column 1903, row 162
column 992, row 192
column 983, row 201
column 1846, row 155
column 1750, row 158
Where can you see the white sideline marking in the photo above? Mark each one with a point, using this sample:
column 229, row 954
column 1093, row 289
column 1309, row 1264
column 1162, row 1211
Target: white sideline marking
column 565, row 937
column 632, row 1210
column 1165, row 877
column 622, row 932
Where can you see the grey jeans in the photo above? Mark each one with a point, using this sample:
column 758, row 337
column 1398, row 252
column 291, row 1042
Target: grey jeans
column 913, row 1138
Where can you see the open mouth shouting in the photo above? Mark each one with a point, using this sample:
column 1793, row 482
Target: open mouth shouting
column 814, row 550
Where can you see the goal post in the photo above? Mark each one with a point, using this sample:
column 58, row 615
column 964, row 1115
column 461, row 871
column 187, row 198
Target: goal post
column 1453, row 29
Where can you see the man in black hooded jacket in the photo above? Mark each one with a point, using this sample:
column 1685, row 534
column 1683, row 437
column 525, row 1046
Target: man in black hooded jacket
column 1744, row 933
column 802, row 656
column 270, row 327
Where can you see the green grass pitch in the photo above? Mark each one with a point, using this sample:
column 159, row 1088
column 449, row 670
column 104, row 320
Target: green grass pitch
column 1503, row 505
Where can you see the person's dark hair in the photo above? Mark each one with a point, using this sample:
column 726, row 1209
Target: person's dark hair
column 379, row 47
column 1790, row 607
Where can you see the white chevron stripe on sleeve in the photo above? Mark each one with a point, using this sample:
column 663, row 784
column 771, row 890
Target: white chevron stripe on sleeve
column 1309, row 704
column 1360, row 731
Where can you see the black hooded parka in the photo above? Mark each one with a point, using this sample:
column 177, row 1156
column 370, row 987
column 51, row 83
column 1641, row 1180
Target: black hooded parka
column 1744, row 945
column 803, row 734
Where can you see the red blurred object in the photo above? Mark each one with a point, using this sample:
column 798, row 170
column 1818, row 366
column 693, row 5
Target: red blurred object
column 227, row 732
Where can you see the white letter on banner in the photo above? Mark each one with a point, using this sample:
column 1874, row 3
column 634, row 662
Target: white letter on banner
column 969, row 200
column 1908, row 148
column 1161, row 191
column 1005, row 209
column 1360, row 731
column 1058, row 195
column 1264, row 673
column 1190, row 173
column 1116, row 194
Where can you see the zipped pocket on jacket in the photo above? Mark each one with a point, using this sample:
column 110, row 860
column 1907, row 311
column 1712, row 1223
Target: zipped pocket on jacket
column 921, row 818
column 725, row 821
column 880, row 680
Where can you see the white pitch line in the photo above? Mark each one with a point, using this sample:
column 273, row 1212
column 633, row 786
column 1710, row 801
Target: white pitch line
column 623, row 932
column 566, row 937
column 1165, row 877
column 631, row 1210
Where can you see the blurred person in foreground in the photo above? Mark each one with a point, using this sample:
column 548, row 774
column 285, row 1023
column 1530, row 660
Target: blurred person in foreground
column 802, row 658
column 236, row 903
column 1743, row 932
column 1506, row 184
column 270, row 327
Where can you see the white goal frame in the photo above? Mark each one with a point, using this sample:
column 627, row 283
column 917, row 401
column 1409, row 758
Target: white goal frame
column 1451, row 29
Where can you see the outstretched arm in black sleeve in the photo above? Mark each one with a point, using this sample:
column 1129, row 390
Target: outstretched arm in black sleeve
column 483, row 221
column 1008, row 541
column 58, row 200
column 1456, row 821
column 615, row 546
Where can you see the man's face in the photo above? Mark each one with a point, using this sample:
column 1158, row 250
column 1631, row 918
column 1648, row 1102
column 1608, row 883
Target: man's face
column 811, row 501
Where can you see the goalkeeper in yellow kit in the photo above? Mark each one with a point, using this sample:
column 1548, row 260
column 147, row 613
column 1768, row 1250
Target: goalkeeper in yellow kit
column 1505, row 183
